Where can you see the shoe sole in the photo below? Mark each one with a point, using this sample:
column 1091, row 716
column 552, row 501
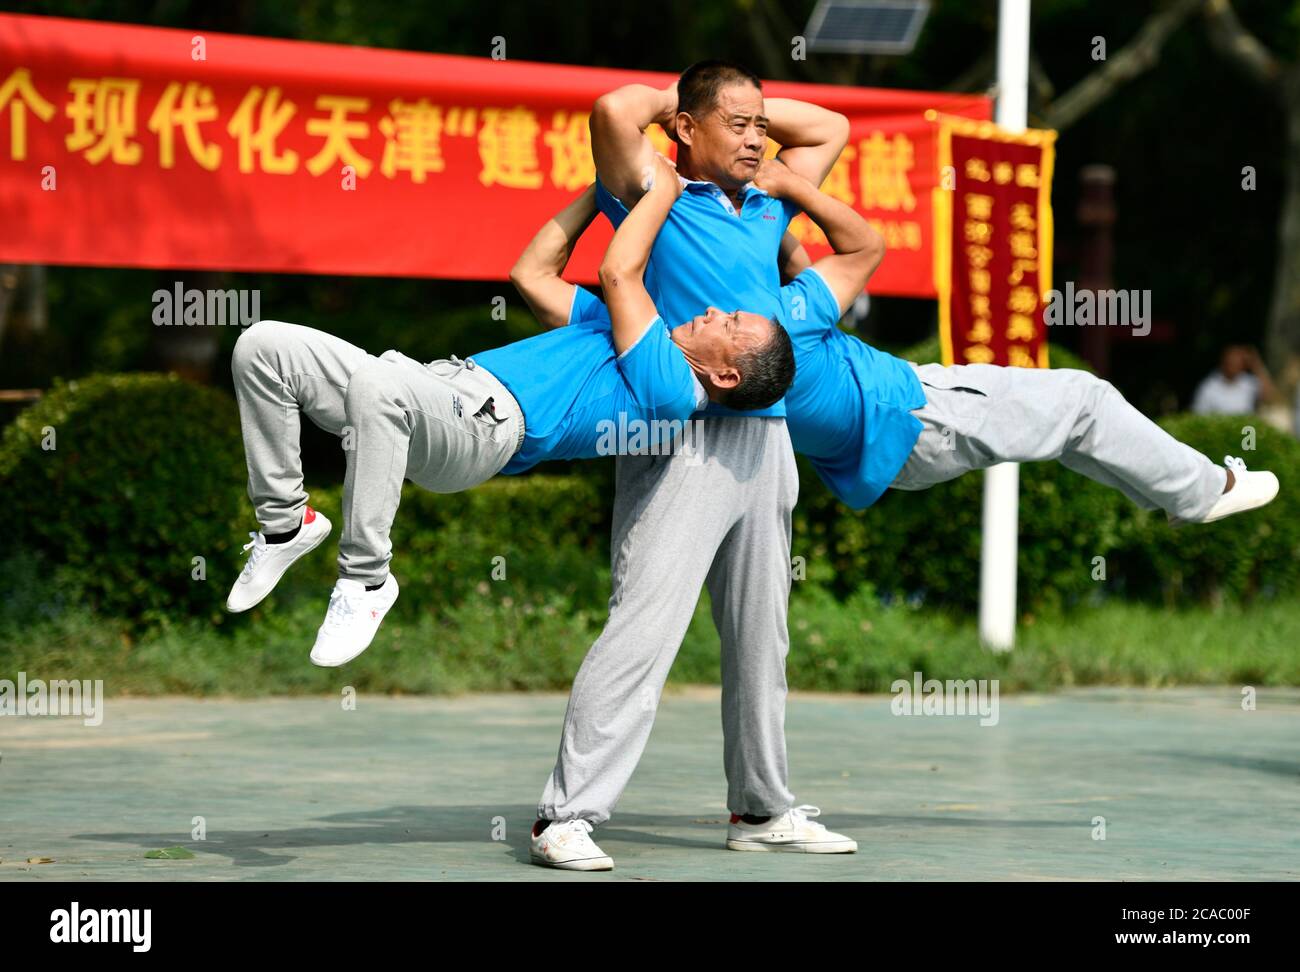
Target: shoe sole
column 1244, row 509
column 796, row 847
column 590, row 864
column 341, row 663
column 283, row 570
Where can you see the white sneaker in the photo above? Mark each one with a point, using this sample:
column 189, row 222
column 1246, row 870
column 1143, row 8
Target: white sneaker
column 350, row 624
column 791, row 831
column 568, row 845
column 268, row 561
column 1250, row 490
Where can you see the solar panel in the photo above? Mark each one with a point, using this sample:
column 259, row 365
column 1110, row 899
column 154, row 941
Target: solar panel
column 866, row 26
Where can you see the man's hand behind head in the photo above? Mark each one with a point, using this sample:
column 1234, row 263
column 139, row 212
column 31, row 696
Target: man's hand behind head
column 667, row 118
column 776, row 179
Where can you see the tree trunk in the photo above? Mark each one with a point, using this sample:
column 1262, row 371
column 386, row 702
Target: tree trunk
column 8, row 286
column 38, row 299
column 190, row 351
column 1282, row 337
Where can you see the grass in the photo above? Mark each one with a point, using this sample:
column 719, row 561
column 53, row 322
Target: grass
column 492, row 644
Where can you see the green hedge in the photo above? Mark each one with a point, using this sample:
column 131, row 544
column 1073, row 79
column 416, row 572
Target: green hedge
column 928, row 352
column 925, row 546
column 535, row 540
column 145, row 474
column 148, row 474
column 1256, row 553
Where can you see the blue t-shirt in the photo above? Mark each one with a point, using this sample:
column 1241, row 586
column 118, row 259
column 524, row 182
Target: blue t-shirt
column 581, row 399
column 850, row 407
column 708, row 254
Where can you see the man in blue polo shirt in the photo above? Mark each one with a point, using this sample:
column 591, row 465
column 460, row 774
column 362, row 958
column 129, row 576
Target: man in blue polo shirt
column 869, row 421
column 719, row 517
column 850, row 408
column 450, row 425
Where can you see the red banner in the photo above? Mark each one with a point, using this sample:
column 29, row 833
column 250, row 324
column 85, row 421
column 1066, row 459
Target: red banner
column 993, row 243
column 144, row 147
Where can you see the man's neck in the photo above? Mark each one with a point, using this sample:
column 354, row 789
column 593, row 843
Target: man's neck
column 687, row 171
column 705, row 386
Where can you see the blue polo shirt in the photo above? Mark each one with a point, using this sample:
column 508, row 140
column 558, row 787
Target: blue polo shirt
column 581, row 399
column 850, row 407
column 710, row 253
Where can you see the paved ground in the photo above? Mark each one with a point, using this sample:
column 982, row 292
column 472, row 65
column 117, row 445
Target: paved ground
column 1190, row 786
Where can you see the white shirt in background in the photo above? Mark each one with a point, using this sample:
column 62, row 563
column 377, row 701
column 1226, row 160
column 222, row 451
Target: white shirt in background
column 1216, row 395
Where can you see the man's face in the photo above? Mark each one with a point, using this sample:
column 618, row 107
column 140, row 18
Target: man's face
column 711, row 341
column 1233, row 361
column 728, row 142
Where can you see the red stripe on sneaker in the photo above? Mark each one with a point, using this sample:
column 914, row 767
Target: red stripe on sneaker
column 309, row 516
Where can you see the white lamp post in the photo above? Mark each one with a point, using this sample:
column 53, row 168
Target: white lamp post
column 1001, row 521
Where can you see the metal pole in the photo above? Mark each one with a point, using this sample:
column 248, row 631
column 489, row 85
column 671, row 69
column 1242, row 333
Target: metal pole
column 1001, row 521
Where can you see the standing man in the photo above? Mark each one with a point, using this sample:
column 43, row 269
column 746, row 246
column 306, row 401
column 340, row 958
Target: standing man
column 719, row 517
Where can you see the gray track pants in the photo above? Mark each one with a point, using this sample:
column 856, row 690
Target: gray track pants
column 721, row 518
column 398, row 419
column 976, row 416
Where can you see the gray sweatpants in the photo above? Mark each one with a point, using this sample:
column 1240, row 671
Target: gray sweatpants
column 721, row 518
column 976, row 416
column 446, row 426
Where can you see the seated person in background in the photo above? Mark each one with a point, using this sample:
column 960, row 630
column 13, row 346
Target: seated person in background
column 1238, row 386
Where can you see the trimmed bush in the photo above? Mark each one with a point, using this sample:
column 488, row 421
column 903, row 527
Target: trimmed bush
column 925, row 546
column 927, row 352
column 145, row 474
column 533, row 541
column 1255, row 553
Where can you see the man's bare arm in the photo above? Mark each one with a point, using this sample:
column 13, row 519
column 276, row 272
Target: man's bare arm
column 793, row 258
column 536, row 274
column 622, row 272
column 811, row 137
column 858, row 248
column 1267, row 391
column 624, row 154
